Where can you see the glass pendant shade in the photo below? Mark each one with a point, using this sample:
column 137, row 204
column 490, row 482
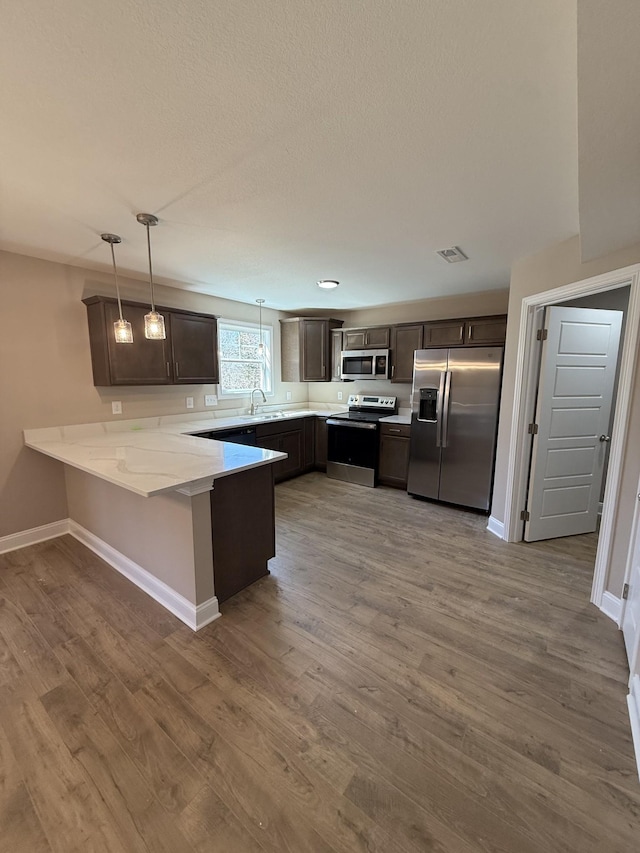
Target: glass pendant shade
column 154, row 329
column 154, row 326
column 122, row 330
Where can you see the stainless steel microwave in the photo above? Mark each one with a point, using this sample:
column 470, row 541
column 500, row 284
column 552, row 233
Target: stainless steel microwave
column 365, row 364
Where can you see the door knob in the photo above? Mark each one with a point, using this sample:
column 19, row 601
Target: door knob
column 605, row 438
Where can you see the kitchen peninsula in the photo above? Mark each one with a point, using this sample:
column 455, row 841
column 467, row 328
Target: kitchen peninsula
column 185, row 518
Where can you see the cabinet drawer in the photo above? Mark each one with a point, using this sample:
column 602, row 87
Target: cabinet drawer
column 278, row 427
column 397, row 430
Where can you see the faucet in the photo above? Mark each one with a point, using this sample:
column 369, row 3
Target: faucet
column 254, row 408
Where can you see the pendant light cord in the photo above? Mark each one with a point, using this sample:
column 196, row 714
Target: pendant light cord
column 115, row 275
column 153, row 307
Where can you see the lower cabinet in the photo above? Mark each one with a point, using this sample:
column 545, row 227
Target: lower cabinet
column 394, row 455
column 242, row 511
column 296, row 438
column 321, row 444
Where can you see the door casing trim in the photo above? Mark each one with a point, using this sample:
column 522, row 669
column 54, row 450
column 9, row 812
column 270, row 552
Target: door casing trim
column 525, row 387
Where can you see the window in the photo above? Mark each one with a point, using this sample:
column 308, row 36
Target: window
column 242, row 368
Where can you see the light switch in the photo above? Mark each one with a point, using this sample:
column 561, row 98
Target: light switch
column 116, row 407
column 210, row 400
column 189, row 402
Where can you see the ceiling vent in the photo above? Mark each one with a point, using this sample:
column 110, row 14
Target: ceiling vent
column 452, row 255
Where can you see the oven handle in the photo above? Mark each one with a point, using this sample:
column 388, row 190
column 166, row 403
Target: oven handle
column 351, row 424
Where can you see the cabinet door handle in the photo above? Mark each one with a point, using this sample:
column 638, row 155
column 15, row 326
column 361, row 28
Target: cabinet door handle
column 393, row 370
column 168, row 369
column 394, row 430
column 177, row 370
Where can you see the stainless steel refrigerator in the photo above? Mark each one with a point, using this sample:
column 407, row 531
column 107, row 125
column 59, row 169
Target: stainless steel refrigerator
column 454, row 420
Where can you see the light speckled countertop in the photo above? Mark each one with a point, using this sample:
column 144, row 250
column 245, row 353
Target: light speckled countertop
column 149, row 456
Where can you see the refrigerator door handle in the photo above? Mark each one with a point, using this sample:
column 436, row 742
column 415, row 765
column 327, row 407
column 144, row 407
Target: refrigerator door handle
column 439, row 408
column 444, row 435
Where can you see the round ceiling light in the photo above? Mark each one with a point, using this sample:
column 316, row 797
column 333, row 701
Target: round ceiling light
column 328, row 284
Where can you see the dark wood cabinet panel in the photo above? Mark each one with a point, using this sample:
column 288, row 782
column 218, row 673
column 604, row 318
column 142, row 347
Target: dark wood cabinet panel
column 321, row 444
column 288, row 438
column 305, row 348
column 242, row 496
column 336, row 355
column 188, row 355
column 449, row 333
column 394, row 455
column 405, row 340
column 194, row 356
column 308, row 443
column 486, row 330
column 376, row 337
column 315, row 351
column 141, row 363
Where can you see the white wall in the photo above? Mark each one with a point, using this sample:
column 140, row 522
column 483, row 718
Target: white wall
column 558, row 265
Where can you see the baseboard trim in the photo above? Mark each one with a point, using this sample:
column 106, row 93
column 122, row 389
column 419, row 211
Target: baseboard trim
column 195, row 616
column 633, row 702
column 34, row 535
column 611, row 606
column 496, row 527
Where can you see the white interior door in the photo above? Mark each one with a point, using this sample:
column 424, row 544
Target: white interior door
column 631, row 618
column 573, row 412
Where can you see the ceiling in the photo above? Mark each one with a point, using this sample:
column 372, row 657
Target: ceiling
column 283, row 142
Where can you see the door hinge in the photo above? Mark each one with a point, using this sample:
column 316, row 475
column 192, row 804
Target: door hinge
column 625, row 592
column 525, row 515
column 542, row 334
column 533, row 429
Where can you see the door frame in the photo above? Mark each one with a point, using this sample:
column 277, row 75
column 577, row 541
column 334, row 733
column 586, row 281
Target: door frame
column 526, row 384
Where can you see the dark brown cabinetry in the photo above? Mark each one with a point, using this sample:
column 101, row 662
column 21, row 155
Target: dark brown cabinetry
column 305, row 348
column 405, row 340
column 321, row 444
column 247, row 495
column 376, row 337
column 447, row 333
column 187, row 356
column 336, row 355
column 485, row 331
column 295, row 437
column 394, row 455
column 194, row 354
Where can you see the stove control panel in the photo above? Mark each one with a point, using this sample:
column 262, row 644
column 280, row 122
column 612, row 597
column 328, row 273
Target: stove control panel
column 373, row 401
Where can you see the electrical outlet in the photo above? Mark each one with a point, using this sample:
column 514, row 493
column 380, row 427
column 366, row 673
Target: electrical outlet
column 210, row 400
column 339, row 395
column 189, row 402
column 116, row 407
column 288, row 395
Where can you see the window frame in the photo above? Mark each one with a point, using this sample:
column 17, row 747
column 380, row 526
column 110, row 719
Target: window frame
column 267, row 366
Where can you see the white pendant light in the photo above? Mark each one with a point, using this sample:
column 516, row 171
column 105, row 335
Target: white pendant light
column 121, row 328
column 153, row 321
column 328, row 284
column 261, row 344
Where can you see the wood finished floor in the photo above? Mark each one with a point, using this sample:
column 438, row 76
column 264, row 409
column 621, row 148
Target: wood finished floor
column 403, row 682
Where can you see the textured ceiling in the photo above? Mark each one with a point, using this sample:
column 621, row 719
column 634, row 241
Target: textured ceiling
column 283, row 141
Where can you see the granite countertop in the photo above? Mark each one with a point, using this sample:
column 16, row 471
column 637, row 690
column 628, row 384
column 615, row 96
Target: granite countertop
column 149, row 456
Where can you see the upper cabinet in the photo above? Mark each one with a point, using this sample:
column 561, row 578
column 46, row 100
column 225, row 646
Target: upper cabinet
column 187, row 356
column 194, row 352
column 405, row 340
column 306, row 348
column 376, row 337
column 486, row 330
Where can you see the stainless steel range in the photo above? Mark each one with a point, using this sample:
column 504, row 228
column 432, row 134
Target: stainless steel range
column 352, row 450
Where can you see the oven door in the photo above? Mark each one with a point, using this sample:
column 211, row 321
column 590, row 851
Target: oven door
column 352, row 451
